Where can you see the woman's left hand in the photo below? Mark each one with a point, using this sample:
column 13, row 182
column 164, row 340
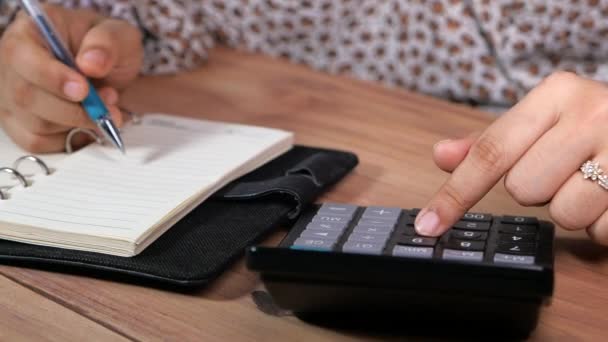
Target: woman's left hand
column 539, row 146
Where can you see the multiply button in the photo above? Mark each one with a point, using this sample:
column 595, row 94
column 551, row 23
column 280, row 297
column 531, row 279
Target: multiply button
column 327, row 226
column 385, row 230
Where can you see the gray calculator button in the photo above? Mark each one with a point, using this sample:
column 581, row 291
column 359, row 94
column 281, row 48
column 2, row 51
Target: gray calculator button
column 364, row 229
column 452, row 254
column 513, row 259
column 382, row 212
column 336, row 208
column 320, row 234
column 362, row 237
column 363, row 248
column 314, row 244
column 389, row 222
column 413, row 252
column 327, row 226
column 331, row 218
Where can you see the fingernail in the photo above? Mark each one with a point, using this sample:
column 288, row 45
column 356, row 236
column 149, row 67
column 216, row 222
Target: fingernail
column 441, row 142
column 95, row 56
column 428, row 223
column 74, row 90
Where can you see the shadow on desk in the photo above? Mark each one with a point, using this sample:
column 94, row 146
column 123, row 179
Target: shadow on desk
column 582, row 248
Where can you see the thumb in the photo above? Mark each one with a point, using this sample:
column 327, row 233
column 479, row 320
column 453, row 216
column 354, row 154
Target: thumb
column 448, row 154
column 111, row 50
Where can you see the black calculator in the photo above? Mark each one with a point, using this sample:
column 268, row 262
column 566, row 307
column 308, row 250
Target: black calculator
column 345, row 264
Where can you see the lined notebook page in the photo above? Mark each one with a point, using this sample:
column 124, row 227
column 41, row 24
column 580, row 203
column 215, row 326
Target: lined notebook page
column 170, row 164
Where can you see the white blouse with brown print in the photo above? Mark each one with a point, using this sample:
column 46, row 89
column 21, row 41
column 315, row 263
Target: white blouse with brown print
column 486, row 51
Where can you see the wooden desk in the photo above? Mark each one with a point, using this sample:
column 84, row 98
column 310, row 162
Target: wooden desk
column 392, row 132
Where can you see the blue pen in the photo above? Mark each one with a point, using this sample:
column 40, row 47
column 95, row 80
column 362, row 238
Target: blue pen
column 92, row 104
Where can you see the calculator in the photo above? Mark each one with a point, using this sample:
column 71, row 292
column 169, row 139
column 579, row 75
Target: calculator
column 346, row 264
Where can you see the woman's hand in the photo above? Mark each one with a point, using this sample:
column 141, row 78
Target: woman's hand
column 539, row 146
column 39, row 96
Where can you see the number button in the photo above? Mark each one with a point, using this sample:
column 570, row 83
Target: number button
column 468, row 235
column 472, row 225
column 467, row 245
column 519, row 220
column 477, row 217
column 515, row 248
column 417, row 241
column 505, row 238
column 516, row 229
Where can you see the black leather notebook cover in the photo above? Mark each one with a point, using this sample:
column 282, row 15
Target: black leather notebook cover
column 200, row 246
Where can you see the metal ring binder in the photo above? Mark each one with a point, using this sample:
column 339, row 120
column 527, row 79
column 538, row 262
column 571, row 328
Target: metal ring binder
column 36, row 160
column 68, row 140
column 17, row 175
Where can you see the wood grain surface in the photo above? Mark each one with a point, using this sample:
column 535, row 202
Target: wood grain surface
column 392, row 131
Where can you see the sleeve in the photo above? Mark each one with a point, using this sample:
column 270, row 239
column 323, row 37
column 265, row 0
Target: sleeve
column 176, row 36
column 8, row 10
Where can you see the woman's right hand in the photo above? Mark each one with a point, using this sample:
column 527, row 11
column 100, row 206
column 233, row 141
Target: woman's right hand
column 40, row 97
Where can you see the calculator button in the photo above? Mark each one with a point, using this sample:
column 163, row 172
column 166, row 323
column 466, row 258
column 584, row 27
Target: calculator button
column 519, row 220
column 467, row 245
column 378, row 221
column 409, row 230
column 513, row 259
column 468, row 235
column 373, row 229
column 516, row 238
column 413, row 252
column 340, row 209
column 331, row 218
column 382, row 212
column 472, row 225
column 516, row 229
column 417, row 241
column 361, row 237
column 477, row 217
column 327, row 226
column 414, row 212
column 314, row 244
column 363, row 248
column 319, row 234
column 451, row 254
column 515, row 248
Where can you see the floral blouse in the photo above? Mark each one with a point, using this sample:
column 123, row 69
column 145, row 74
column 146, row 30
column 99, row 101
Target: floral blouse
column 485, row 51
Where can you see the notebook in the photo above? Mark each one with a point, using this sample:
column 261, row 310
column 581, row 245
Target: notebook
column 99, row 200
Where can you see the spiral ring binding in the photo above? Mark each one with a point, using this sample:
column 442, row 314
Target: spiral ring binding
column 36, row 160
column 74, row 131
column 15, row 174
